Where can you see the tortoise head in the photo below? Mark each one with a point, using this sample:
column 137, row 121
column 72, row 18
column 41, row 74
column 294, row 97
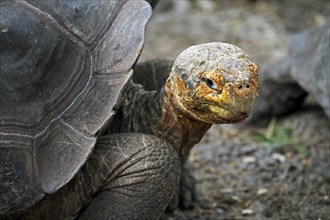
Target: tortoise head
column 214, row 83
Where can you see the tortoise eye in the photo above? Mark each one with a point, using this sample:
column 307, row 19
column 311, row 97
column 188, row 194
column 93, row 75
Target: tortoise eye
column 210, row 83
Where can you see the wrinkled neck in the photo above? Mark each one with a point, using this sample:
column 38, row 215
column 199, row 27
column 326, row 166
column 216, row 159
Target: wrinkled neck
column 158, row 113
column 176, row 125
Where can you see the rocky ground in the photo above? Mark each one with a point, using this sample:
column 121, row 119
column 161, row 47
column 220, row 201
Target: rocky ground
column 239, row 177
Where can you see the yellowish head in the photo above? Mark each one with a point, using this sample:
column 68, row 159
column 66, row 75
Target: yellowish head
column 214, row 83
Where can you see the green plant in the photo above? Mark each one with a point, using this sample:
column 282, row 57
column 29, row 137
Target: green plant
column 278, row 137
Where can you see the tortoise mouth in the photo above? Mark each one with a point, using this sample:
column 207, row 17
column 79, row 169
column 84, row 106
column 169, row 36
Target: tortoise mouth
column 217, row 115
column 235, row 118
column 225, row 115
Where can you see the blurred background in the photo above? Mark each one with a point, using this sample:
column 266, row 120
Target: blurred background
column 280, row 170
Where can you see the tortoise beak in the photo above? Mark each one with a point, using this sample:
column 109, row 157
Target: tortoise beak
column 235, row 102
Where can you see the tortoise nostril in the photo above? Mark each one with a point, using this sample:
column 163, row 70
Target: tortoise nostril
column 242, row 86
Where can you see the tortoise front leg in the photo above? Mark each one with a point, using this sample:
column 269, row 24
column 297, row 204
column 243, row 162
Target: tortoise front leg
column 143, row 173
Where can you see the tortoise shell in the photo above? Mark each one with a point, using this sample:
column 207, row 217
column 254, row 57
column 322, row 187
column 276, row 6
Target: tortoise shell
column 64, row 65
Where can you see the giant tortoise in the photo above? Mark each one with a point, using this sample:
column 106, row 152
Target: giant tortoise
column 79, row 139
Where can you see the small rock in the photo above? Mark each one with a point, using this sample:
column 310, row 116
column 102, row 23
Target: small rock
column 278, row 157
column 249, row 159
column 236, row 199
column 220, row 210
column 262, row 191
column 247, row 211
column 227, row 190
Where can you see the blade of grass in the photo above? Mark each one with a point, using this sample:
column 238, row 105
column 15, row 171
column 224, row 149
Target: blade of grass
column 277, row 137
column 271, row 128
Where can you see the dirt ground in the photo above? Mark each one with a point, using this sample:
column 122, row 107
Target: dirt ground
column 237, row 176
